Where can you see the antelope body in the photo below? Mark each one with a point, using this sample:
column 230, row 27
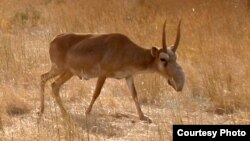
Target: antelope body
column 108, row 56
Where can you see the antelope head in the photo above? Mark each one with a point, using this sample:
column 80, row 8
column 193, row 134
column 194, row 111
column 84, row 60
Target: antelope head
column 166, row 61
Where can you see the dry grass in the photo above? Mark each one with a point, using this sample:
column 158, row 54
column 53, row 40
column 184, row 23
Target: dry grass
column 214, row 52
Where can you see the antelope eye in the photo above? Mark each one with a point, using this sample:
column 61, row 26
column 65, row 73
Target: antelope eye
column 163, row 60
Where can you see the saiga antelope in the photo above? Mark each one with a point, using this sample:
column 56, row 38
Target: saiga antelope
column 109, row 56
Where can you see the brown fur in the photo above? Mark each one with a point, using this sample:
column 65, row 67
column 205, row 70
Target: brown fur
column 103, row 56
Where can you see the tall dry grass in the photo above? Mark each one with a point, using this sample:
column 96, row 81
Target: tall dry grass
column 214, row 52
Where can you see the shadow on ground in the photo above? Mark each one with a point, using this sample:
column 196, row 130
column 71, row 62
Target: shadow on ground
column 111, row 125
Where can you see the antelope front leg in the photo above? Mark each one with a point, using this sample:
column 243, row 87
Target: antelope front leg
column 131, row 86
column 98, row 88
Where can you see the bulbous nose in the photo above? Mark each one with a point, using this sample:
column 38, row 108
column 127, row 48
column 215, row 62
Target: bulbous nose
column 178, row 78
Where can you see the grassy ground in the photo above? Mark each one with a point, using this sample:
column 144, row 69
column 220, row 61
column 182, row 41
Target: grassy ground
column 214, row 53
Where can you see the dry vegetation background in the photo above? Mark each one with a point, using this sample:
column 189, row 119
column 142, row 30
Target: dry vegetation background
column 214, row 53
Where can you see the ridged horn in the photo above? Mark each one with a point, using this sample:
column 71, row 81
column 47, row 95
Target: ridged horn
column 177, row 40
column 164, row 44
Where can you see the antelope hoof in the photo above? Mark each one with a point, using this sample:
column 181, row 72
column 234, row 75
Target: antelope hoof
column 146, row 119
column 66, row 117
column 87, row 112
column 40, row 113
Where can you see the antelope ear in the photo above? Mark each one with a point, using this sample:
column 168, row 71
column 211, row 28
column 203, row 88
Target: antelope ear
column 154, row 51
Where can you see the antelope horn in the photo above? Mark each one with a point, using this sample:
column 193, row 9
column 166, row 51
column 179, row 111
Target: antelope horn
column 177, row 40
column 164, row 44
